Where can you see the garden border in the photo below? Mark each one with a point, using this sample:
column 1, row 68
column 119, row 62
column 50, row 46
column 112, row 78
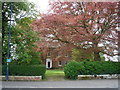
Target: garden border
column 20, row 78
column 106, row 76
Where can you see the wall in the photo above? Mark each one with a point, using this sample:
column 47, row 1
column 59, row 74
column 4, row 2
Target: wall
column 33, row 78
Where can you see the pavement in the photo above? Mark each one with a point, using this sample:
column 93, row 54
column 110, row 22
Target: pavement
column 102, row 83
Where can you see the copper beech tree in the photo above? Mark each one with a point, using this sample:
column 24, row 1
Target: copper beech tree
column 91, row 26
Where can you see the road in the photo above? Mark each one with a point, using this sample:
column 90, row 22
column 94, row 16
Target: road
column 62, row 84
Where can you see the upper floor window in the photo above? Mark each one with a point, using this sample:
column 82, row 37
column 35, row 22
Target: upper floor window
column 48, row 54
column 66, row 55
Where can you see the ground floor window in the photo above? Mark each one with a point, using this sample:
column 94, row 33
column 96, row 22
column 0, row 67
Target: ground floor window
column 59, row 63
column 66, row 62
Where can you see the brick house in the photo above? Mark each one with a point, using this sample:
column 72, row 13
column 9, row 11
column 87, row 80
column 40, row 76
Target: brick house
column 54, row 58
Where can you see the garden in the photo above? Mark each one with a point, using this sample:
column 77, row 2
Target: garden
column 83, row 35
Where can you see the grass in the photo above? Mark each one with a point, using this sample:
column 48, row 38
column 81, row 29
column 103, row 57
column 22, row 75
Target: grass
column 54, row 73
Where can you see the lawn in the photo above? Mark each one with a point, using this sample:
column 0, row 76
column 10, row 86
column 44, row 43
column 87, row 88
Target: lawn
column 54, row 73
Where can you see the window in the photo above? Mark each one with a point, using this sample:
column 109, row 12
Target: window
column 48, row 54
column 66, row 55
column 66, row 62
column 60, row 63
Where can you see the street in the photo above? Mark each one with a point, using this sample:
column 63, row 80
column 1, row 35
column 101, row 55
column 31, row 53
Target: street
column 62, row 84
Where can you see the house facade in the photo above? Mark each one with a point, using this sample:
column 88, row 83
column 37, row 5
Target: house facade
column 55, row 59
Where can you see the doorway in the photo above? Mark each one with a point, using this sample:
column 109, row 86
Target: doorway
column 48, row 63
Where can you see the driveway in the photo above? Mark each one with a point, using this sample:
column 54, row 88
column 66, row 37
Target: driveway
column 62, row 84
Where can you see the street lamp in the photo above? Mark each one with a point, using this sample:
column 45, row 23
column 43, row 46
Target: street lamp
column 8, row 55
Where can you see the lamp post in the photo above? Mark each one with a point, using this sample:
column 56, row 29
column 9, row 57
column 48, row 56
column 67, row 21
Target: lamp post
column 8, row 55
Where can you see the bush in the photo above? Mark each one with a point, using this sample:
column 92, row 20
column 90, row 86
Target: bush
column 111, row 67
column 91, row 68
column 73, row 69
column 25, row 70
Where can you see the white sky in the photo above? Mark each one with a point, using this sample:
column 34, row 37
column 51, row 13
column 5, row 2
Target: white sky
column 41, row 5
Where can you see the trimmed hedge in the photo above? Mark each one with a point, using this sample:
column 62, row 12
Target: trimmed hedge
column 25, row 70
column 73, row 69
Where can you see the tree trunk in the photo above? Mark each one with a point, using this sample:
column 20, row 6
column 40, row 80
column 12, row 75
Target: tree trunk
column 96, row 52
column 97, row 56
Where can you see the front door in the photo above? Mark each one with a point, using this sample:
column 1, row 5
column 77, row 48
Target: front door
column 48, row 64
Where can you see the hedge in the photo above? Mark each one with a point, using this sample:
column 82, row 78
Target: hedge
column 25, row 70
column 73, row 69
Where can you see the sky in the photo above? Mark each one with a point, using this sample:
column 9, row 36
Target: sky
column 41, row 5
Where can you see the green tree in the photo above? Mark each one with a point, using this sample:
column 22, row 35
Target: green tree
column 22, row 36
column 19, row 10
column 82, row 54
column 23, row 46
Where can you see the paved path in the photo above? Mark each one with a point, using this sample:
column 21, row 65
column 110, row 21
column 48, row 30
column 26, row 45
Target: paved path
column 62, row 84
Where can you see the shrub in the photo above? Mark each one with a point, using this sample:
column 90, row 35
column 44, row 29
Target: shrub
column 111, row 67
column 73, row 69
column 91, row 68
column 25, row 70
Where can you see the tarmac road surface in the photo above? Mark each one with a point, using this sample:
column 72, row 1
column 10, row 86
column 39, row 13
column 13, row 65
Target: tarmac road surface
column 113, row 83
